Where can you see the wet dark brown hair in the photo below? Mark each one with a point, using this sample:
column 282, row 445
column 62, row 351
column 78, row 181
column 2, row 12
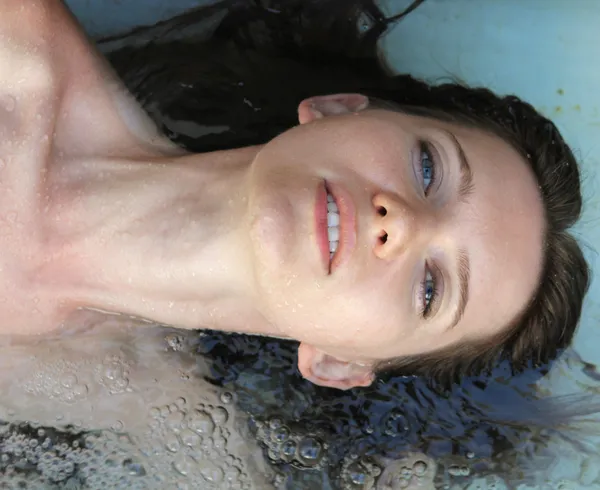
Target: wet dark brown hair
column 235, row 72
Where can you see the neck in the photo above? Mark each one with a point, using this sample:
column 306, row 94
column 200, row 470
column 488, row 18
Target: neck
column 164, row 239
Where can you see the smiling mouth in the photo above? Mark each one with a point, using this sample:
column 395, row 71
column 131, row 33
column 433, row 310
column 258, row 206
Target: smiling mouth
column 333, row 225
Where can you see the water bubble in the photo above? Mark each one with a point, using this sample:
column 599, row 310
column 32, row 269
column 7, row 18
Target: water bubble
column 357, row 475
column 220, row 416
column 454, row 470
column 288, row 449
column 281, row 434
column 172, row 443
column 414, row 470
column 68, row 380
column 275, row 423
column 210, row 471
column 419, row 468
column 273, row 454
column 309, row 451
column 201, row 422
column 175, row 420
column 396, row 425
column 190, row 438
column 226, row 397
column 133, row 468
column 232, row 474
column 183, row 464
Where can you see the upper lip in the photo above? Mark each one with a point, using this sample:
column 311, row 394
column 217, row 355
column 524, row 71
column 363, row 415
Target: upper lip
column 347, row 212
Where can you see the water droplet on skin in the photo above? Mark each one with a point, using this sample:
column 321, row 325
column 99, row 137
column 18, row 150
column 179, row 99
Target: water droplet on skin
column 9, row 103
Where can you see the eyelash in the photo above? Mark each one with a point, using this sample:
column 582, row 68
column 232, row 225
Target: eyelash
column 425, row 147
column 427, row 307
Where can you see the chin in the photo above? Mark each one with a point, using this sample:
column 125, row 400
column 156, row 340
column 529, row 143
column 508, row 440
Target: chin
column 272, row 230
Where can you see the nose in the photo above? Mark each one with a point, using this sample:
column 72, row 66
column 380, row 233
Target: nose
column 395, row 226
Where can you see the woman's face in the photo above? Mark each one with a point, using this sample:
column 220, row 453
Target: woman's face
column 440, row 234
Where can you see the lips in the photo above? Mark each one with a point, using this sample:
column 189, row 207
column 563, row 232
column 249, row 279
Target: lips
column 347, row 226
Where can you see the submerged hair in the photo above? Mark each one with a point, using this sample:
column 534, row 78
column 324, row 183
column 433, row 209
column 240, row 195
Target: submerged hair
column 232, row 75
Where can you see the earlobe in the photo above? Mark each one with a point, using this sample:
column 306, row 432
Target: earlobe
column 330, row 105
column 325, row 370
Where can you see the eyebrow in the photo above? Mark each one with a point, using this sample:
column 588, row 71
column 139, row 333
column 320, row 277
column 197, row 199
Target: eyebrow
column 466, row 174
column 463, row 265
column 464, row 273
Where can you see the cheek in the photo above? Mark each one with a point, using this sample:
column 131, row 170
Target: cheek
column 356, row 319
column 349, row 143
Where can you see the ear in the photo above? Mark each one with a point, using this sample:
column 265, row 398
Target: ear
column 325, row 370
column 330, row 105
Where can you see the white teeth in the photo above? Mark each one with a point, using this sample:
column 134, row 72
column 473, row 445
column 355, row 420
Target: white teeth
column 333, row 219
column 333, row 233
column 333, row 222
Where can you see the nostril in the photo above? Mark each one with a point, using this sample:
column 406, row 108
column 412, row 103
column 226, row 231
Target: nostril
column 381, row 210
column 383, row 238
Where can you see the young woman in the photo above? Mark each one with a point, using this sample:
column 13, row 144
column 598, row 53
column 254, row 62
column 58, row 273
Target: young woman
column 102, row 213
column 396, row 226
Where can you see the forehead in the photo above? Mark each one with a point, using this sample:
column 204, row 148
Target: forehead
column 502, row 226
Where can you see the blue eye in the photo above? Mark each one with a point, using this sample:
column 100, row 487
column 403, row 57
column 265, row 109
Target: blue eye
column 427, row 166
column 428, row 293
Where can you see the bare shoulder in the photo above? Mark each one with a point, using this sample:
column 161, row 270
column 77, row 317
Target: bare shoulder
column 58, row 80
column 28, row 79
